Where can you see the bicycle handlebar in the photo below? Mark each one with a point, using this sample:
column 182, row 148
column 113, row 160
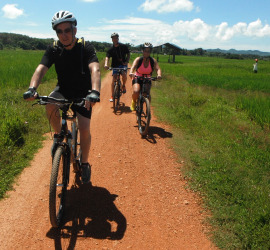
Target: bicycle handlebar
column 147, row 78
column 43, row 100
column 119, row 69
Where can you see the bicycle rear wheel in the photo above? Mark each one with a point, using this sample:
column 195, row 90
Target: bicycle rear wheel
column 116, row 97
column 58, row 186
column 144, row 116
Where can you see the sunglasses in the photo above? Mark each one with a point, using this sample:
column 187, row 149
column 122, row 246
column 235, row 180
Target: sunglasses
column 66, row 31
column 147, row 51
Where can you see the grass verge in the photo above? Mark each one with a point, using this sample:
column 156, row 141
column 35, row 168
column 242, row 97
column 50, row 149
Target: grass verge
column 227, row 159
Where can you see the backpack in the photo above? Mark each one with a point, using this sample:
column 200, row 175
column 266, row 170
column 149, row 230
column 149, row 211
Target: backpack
column 57, row 46
column 152, row 62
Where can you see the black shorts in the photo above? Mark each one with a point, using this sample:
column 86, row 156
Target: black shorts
column 146, row 87
column 136, row 80
column 81, row 110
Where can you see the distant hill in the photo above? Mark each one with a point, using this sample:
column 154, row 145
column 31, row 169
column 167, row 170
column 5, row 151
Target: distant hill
column 240, row 52
column 12, row 41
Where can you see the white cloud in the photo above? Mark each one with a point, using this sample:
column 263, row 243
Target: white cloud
column 253, row 29
column 196, row 29
column 257, row 29
column 167, row 5
column 187, row 34
column 89, row 1
column 11, row 11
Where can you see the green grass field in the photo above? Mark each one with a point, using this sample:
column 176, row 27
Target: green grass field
column 221, row 130
column 218, row 110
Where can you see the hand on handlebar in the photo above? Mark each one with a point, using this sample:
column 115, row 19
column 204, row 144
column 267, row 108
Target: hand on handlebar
column 91, row 99
column 31, row 94
column 106, row 67
column 159, row 77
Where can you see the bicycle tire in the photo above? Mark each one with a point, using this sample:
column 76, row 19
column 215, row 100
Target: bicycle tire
column 58, row 187
column 116, row 97
column 144, row 116
column 75, row 145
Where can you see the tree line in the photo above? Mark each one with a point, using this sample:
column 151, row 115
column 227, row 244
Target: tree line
column 17, row 41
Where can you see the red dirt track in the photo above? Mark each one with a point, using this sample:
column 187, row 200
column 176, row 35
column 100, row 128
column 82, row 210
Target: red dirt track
column 138, row 199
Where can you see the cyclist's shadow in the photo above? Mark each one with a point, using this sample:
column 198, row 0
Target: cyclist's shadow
column 157, row 132
column 123, row 109
column 90, row 212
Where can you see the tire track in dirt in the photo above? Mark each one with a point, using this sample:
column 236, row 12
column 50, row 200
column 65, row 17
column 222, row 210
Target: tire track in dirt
column 138, row 199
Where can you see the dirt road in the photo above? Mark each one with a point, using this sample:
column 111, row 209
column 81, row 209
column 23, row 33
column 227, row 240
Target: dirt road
column 138, row 199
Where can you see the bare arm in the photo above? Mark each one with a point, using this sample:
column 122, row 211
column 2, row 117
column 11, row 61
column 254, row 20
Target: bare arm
column 128, row 57
column 96, row 82
column 133, row 67
column 95, row 76
column 157, row 68
column 38, row 75
column 107, row 59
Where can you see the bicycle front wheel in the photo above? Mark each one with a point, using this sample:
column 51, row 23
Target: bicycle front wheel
column 58, row 186
column 144, row 116
column 116, row 97
column 75, row 145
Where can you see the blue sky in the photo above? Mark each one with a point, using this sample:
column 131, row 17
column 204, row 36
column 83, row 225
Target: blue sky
column 207, row 24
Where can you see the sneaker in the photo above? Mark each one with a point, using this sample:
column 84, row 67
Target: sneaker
column 124, row 89
column 111, row 100
column 86, row 172
column 133, row 106
column 56, row 139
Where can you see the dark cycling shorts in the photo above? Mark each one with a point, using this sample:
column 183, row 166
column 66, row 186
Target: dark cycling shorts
column 147, row 86
column 81, row 110
column 121, row 67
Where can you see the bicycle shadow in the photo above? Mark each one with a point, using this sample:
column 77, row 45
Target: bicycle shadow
column 156, row 133
column 90, row 212
column 123, row 109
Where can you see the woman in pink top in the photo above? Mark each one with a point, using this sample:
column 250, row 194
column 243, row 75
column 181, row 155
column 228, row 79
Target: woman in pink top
column 144, row 66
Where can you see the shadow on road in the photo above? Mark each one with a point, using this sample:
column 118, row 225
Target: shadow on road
column 157, row 132
column 90, row 212
column 122, row 109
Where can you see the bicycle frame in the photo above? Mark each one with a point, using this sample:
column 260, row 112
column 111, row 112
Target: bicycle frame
column 117, row 87
column 62, row 157
column 143, row 111
column 69, row 147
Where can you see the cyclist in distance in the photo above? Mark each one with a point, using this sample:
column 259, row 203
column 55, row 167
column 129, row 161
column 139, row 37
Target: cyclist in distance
column 78, row 75
column 120, row 55
column 143, row 66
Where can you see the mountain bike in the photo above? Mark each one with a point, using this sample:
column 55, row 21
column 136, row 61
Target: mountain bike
column 143, row 112
column 67, row 151
column 117, row 88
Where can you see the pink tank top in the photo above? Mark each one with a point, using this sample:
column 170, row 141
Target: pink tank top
column 144, row 71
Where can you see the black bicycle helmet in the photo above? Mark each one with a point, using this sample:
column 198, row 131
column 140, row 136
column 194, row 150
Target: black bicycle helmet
column 114, row 34
column 63, row 16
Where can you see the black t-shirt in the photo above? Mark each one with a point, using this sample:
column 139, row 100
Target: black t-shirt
column 118, row 55
column 72, row 83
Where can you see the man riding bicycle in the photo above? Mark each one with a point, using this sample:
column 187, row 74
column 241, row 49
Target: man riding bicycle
column 78, row 75
column 143, row 66
column 120, row 55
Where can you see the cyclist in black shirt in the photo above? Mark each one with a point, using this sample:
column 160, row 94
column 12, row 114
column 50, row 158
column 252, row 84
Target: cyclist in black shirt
column 120, row 55
column 78, row 76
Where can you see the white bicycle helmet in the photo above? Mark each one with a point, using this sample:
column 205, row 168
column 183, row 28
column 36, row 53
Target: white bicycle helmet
column 147, row 45
column 114, row 34
column 63, row 16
